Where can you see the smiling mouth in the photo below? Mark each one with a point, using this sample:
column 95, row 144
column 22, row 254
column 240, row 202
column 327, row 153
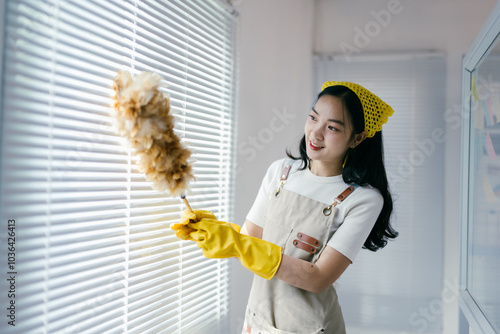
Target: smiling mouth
column 314, row 146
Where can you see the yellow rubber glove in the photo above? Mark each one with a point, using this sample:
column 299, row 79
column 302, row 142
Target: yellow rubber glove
column 181, row 229
column 218, row 240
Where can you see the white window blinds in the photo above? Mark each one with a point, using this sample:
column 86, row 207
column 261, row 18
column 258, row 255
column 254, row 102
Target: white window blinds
column 398, row 289
column 93, row 250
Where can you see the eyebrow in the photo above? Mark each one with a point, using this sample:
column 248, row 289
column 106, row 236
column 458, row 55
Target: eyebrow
column 331, row 119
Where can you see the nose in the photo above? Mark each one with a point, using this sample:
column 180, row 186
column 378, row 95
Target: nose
column 317, row 133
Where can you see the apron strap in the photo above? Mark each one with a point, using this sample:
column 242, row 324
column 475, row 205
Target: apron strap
column 285, row 172
column 328, row 210
column 283, row 178
column 344, row 194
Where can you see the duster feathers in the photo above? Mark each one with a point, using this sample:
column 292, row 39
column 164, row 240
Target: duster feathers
column 142, row 115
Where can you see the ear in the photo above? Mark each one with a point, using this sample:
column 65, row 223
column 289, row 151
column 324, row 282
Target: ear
column 358, row 139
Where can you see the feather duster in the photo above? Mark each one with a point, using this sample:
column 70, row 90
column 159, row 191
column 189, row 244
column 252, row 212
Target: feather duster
column 142, row 114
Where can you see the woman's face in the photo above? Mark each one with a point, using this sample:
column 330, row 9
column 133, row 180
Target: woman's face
column 328, row 132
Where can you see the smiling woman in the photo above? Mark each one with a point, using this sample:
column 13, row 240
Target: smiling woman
column 296, row 241
column 356, row 145
column 413, row 83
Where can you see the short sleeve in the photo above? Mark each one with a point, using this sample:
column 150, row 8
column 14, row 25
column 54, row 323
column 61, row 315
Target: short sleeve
column 257, row 213
column 358, row 222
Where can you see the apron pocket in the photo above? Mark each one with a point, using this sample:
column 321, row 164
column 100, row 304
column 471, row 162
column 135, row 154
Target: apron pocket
column 277, row 234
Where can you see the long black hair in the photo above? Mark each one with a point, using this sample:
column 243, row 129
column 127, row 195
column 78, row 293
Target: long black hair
column 364, row 164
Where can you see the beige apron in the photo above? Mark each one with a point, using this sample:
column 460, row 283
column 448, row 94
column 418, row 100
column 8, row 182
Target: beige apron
column 297, row 224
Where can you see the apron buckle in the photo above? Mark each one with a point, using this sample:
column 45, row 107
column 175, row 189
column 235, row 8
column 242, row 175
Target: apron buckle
column 278, row 191
column 284, row 177
column 327, row 211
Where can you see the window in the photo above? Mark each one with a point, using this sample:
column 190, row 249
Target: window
column 93, row 251
column 480, row 182
column 398, row 289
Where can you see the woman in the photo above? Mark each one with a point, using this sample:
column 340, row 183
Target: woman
column 311, row 216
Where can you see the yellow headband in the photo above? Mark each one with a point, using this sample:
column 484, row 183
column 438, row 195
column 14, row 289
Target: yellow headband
column 375, row 110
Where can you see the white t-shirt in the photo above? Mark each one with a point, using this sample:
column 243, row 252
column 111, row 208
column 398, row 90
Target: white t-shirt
column 357, row 213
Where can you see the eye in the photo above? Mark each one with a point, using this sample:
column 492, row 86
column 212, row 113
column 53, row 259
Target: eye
column 312, row 117
column 332, row 128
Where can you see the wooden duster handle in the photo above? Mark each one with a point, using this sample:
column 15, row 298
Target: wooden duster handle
column 186, row 203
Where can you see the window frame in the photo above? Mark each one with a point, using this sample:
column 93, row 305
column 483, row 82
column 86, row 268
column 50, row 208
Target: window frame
column 484, row 42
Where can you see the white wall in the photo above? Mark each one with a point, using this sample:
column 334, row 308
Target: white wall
column 274, row 99
column 277, row 40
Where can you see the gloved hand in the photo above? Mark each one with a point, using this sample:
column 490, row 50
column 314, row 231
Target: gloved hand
column 182, row 230
column 218, row 240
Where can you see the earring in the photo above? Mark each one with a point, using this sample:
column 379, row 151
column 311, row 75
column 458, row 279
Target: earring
column 345, row 159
